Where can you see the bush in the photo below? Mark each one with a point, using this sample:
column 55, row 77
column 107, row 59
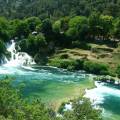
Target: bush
column 81, row 110
column 96, row 68
column 64, row 56
column 82, row 45
column 2, row 47
column 61, row 108
column 118, row 71
column 68, row 64
column 35, row 43
column 61, row 63
column 13, row 106
column 80, row 64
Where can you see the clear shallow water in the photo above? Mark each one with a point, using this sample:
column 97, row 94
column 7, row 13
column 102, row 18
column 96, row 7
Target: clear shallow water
column 56, row 85
column 46, row 82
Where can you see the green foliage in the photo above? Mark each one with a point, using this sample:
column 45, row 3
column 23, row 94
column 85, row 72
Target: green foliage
column 4, row 35
column 80, row 64
column 77, row 21
column 82, row 110
column 13, row 25
column 76, row 26
column 67, row 63
column 101, row 25
column 96, row 68
column 82, row 45
column 13, row 107
column 116, row 31
column 61, row 63
column 2, row 48
column 61, row 108
column 57, row 26
column 22, row 29
column 41, row 38
column 46, row 26
column 106, row 23
column 56, row 9
column 94, row 23
column 9, row 99
column 71, row 32
column 35, row 43
column 84, row 106
column 118, row 71
column 64, row 56
column 33, row 22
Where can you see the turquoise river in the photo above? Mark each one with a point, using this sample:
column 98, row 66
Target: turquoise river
column 55, row 85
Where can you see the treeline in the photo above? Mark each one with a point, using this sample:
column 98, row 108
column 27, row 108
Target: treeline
column 57, row 8
column 14, row 107
column 64, row 32
column 42, row 37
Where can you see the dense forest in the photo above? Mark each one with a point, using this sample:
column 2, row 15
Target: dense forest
column 42, row 38
column 55, row 9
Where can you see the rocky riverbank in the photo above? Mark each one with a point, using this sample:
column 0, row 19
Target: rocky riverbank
column 108, row 79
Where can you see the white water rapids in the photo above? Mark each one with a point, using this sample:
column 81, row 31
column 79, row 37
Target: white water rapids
column 18, row 58
column 106, row 97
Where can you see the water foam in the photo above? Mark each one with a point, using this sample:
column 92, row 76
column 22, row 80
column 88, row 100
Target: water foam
column 18, row 58
column 98, row 94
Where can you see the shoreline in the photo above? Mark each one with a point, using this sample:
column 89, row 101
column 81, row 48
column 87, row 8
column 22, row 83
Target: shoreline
column 80, row 91
column 106, row 78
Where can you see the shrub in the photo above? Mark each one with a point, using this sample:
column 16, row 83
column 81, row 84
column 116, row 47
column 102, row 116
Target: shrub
column 2, row 47
column 96, row 68
column 61, row 108
column 118, row 71
column 35, row 43
column 12, row 105
column 64, row 56
column 82, row 45
column 79, row 64
column 68, row 64
column 80, row 109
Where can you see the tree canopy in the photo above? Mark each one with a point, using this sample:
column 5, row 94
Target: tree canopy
column 57, row 8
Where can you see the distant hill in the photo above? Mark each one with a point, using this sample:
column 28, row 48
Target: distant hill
column 57, row 8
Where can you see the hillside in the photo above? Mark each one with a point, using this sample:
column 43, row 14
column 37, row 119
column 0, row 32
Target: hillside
column 57, row 8
column 100, row 54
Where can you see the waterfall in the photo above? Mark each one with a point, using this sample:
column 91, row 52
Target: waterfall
column 18, row 58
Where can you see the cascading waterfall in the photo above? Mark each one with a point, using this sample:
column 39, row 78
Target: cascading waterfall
column 18, row 58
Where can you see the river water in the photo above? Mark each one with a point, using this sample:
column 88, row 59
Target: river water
column 53, row 84
column 107, row 97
